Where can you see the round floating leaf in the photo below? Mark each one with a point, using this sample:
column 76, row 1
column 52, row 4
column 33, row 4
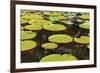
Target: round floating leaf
column 23, row 21
column 58, row 57
column 36, row 17
column 40, row 22
column 22, row 28
column 27, row 45
column 32, row 17
column 52, row 13
column 88, row 46
column 33, row 27
column 56, row 18
column 82, row 39
column 85, row 25
column 67, row 22
column 54, row 27
column 85, row 16
column 88, row 34
column 27, row 35
column 60, row 38
column 80, row 20
column 49, row 45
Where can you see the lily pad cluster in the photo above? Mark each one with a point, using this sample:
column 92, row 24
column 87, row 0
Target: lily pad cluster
column 54, row 36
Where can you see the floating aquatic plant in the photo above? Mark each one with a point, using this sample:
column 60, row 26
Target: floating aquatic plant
column 27, row 35
column 33, row 27
column 60, row 38
column 88, row 46
column 58, row 57
column 56, row 18
column 82, row 40
column 54, row 27
column 27, row 45
column 85, row 16
column 32, row 17
column 52, row 13
column 49, row 45
column 40, row 22
column 63, row 36
column 85, row 25
column 23, row 21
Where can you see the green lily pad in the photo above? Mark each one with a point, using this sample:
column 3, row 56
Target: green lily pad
column 60, row 38
column 27, row 35
column 52, row 13
column 49, row 45
column 33, row 27
column 23, row 21
column 82, row 40
column 27, row 45
column 54, row 27
column 56, row 18
column 40, row 22
column 85, row 16
column 22, row 28
column 85, row 25
column 67, row 22
column 88, row 34
column 32, row 17
column 58, row 57
column 88, row 46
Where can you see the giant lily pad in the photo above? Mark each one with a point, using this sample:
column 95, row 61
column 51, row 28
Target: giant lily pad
column 27, row 35
column 82, row 40
column 32, row 16
column 27, row 45
column 23, row 21
column 22, row 28
column 58, row 57
column 85, row 16
column 33, row 27
column 85, row 25
column 52, row 13
column 88, row 46
column 54, row 27
column 56, row 18
column 67, row 22
column 40, row 22
column 49, row 45
column 60, row 38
